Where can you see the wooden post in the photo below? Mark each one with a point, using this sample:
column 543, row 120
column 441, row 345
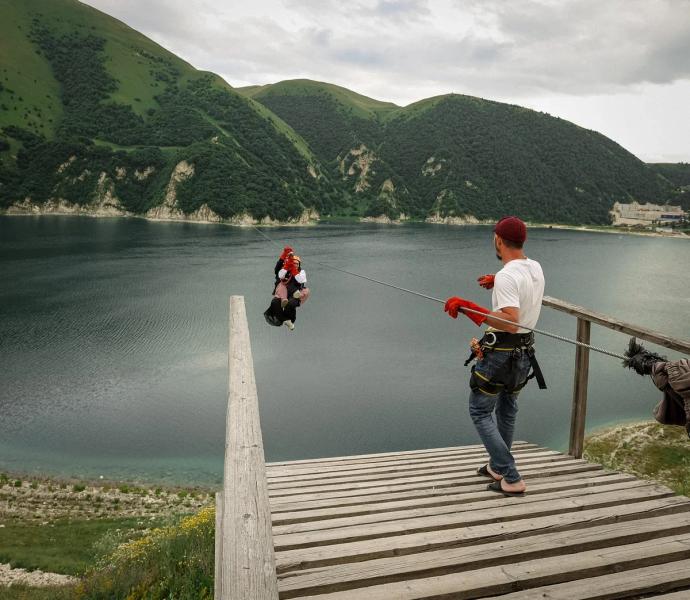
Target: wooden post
column 248, row 569
column 579, row 410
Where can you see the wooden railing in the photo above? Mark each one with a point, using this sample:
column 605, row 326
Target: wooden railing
column 585, row 318
column 245, row 557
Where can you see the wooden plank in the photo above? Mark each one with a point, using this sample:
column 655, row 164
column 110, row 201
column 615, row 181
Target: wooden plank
column 386, row 466
column 578, row 413
column 432, row 492
column 360, row 457
column 291, row 560
column 436, row 478
column 643, row 333
column 427, row 564
column 294, row 471
column 543, row 571
column 680, row 595
column 628, row 584
column 248, row 559
column 466, row 515
column 466, row 465
column 469, row 494
column 322, row 498
column 483, row 501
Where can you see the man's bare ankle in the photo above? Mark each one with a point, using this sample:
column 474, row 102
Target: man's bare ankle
column 493, row 473
column 515, row 486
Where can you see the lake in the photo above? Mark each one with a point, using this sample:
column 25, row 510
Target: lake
column 113, row 340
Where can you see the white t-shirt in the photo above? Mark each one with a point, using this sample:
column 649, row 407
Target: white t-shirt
column 520, row 284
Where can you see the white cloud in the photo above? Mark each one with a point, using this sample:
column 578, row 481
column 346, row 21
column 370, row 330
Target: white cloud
column 579, row 57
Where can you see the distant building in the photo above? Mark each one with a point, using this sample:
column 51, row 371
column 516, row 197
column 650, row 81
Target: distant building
column 646, row 215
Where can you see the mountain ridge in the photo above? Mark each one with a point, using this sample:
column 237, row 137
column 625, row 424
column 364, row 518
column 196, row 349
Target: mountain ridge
column 96, row 117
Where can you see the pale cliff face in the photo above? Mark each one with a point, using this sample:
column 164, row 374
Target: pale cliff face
column 106, row 204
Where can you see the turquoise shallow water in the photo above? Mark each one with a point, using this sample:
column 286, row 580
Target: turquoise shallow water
column 113, row 340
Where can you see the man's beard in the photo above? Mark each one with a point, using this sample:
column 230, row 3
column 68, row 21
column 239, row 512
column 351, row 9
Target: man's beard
column 498, row 254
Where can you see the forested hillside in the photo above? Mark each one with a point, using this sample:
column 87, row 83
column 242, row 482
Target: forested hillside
column 97, row 118
column 98, row 113
column 678, row 174
column 461, row 156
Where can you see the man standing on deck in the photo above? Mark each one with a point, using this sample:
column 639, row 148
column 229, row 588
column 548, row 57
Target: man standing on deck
column 505, row 353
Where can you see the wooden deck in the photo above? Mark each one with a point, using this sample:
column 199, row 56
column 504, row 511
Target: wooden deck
column 421, row 524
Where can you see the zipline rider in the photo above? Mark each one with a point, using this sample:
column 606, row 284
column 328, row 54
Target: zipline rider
column 505, row 353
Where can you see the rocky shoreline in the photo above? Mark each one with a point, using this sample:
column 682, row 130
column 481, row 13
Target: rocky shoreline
column 309, row 217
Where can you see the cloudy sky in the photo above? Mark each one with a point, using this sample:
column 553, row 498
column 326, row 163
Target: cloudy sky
column 621, row 67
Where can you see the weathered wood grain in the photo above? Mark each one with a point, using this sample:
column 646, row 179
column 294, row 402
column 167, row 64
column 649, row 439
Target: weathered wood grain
column 578, row 414
column 436, row 478
column 484, row 502
column 473, row 535
column 248, row 560
column 469, row 465
column 370, row 464
column 615, row 586
column 427, row 564
column 382, row 504
column 642, row 333
column 336, row 496
column 511, row 577
column 393, row 466
column 466, row 515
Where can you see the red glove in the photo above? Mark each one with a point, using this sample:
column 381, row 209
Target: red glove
column 291, row 266
column 456, row 304
column 286, row 251
column 486, row 281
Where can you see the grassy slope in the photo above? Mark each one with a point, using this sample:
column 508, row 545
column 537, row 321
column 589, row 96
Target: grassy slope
column 362, row 106
column 25, row 72
column 65, row 546
column 647, row 450
column 34, row 81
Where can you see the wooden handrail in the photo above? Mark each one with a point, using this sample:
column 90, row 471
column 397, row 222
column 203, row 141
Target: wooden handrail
column 585, row 318
column 643, row 333
column 245, row 556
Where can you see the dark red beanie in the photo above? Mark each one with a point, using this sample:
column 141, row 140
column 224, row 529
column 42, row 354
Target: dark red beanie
column 512, row 229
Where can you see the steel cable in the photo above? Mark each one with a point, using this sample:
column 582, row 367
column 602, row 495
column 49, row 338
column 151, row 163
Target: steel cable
column 554, row 336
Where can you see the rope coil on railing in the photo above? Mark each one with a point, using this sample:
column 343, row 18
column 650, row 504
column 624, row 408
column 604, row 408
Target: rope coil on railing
column 554, row 336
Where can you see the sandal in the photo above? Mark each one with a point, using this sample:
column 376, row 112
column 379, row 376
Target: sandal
column 497, row 487
column 484, row 470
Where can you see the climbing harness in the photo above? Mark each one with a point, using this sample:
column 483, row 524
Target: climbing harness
column 554, row 336
column 513, row 345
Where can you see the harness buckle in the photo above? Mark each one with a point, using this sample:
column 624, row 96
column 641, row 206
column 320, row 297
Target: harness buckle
column 489, row 341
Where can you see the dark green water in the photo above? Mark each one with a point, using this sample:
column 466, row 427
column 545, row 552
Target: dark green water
column 113, row 340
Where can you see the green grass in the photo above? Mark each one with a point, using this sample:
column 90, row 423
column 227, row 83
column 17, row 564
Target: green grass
column 362, row 106
column 63, row 547
column 26, row 73
column 647, row 450
column 22, row 592
column 171, row 562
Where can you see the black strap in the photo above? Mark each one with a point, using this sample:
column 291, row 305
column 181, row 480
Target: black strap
column 536, row 369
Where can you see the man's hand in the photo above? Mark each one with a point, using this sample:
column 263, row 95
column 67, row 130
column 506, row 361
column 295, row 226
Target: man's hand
column 456, row 304
column 486, row 281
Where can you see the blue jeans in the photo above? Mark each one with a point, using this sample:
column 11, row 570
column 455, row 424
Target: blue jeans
column 497, row 434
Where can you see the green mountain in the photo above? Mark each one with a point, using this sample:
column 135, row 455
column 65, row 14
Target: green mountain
column 678, row 176
column 460, row 156
column 95, row 117
column 93, row 113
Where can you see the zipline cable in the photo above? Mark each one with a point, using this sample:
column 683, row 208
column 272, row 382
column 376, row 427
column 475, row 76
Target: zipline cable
column 554, row 336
